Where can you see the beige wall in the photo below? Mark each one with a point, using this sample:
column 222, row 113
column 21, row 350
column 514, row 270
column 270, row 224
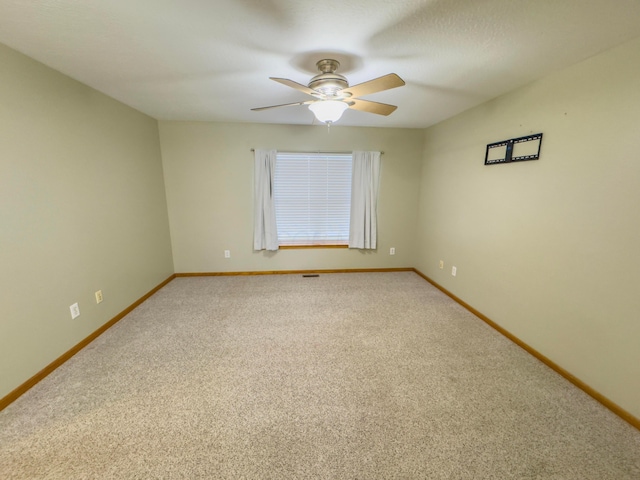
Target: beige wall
column 549, row 249
column 82, row 208
column 209, row 180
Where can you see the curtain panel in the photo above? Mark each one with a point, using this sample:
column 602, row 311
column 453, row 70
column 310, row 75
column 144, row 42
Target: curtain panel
column 364, row 200
column 265, row 231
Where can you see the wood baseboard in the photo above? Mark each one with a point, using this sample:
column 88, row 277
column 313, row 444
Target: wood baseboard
column 615, row 408
column 294, row 272
column 22, row 389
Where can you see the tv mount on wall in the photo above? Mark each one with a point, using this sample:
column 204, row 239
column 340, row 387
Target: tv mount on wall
column 514, row 150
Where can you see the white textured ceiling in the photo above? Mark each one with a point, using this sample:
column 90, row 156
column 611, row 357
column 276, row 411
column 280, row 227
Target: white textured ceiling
column 210, row 60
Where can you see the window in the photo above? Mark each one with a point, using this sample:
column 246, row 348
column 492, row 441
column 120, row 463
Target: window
column 312, row 196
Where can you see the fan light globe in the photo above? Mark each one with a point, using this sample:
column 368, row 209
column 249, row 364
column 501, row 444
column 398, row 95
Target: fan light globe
column 328, row 111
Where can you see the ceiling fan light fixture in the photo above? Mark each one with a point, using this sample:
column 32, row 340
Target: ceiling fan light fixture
column 328, row 111
column 333, row 95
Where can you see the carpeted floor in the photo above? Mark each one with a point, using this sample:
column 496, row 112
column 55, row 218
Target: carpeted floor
column 344, row 376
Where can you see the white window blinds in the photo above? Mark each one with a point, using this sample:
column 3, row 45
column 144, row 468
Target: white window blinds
column 312, row 194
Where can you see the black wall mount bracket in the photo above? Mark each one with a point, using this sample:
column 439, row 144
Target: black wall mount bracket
column 514, row 150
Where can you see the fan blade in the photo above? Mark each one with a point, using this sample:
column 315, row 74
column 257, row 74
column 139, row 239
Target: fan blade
column 371, row 107
column 296, row 85
column 283, row 105
column 379, row 84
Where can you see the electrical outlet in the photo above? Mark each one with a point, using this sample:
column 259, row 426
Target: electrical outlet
column 227, row 254
column 392, row 251
column 99, row 296
column 75, row 311
column 441, row 264
column 454, row 270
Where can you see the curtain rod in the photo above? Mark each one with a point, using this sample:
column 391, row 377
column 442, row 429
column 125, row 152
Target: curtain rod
column 317, row 151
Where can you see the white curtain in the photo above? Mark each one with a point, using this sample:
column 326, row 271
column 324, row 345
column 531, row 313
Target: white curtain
column 364, row 200
column 265, row 231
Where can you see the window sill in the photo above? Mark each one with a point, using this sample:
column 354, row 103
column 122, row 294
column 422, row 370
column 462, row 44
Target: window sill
column 295, row 247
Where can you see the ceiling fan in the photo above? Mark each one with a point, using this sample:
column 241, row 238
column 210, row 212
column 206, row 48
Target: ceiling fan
column 333, row 95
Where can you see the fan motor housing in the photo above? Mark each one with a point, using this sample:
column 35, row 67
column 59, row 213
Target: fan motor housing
column 328, row 82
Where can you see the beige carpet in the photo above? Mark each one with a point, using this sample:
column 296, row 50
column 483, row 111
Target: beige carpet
column 345, row 376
